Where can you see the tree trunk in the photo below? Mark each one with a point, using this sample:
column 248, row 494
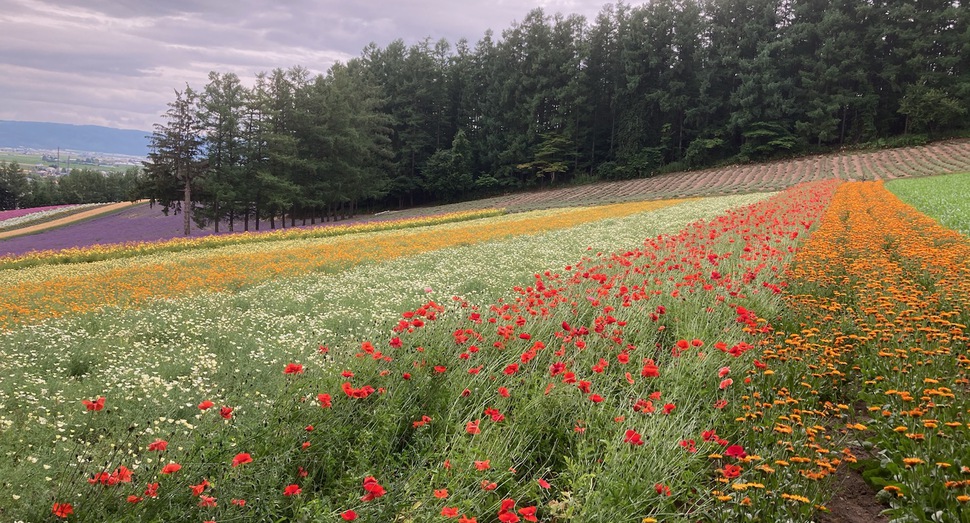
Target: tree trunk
column 187, row 206
column 216, row 213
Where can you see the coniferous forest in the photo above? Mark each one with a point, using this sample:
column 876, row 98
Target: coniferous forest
column 553, row 99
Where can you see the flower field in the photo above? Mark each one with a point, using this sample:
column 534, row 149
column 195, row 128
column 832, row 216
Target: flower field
column 718, row 359
column 17, row 218
column 46, row 290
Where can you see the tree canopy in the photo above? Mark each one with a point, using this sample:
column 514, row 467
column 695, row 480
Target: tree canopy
column 669, row 84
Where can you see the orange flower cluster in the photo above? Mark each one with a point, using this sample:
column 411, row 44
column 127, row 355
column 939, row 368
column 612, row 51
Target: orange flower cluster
column 883, row 295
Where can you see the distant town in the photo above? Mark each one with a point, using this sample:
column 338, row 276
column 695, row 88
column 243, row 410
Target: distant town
column 59, row 162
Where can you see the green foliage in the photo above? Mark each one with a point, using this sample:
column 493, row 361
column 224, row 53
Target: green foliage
column 763, row 140
column 942, row 197
column 14, row 186
column 930, row 109
column 554, row 97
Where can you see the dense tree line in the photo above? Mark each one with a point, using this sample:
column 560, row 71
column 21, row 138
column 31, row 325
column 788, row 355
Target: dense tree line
column 670, row 84
column 18, row 189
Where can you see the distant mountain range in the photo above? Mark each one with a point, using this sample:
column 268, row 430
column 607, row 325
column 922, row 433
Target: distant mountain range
column 88, row 138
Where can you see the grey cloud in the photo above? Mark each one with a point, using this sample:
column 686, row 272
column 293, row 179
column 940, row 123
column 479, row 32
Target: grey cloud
column 117, row 62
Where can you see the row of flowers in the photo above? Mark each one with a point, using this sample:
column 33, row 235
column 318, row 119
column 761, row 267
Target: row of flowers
column 884, row 292
column 621, row 373
column 230, row 346
column 13, row 219
column 50, row 291
column 133, row 249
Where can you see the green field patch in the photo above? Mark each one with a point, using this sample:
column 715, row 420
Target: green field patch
column 946, row 198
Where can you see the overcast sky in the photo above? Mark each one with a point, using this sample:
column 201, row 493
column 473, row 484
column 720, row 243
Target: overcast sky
column 117, row 62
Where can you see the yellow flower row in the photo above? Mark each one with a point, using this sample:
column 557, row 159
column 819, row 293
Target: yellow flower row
column 29, row 299
column 103, row 252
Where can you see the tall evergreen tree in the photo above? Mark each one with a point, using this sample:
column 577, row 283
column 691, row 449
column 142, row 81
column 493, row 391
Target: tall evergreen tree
column 221, row 106
column 175, row 163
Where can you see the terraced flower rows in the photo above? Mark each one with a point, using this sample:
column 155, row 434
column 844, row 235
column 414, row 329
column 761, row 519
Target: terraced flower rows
column 936, row 158
column 731, row 371
column 33, row 295
column 882, row 295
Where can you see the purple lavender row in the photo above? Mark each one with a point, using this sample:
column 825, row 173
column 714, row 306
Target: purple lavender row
column 139, row 223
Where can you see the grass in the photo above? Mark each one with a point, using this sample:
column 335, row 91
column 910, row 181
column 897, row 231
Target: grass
column 945, row 198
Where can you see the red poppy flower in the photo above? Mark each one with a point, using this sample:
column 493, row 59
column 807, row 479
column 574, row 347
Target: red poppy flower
column 207, row 501
column 198, row 489
column 633, row 437
column 668, row 408
column 466, row 519
column 225, row 412
column 595, row 398
column 735, row 451
column 557, row 368
column 495, row 415
column 488, row 485
column 171, row 468
column 504, row 392
column 662, row 489
column 725, row 383
column 483, row 465
column 239, row 502
column 95, row 405
column 206, row 405
column 292, row 490
column 122, row 474
column 241, row 459
column 472, row 427
column 543, row 483
column 348, row 515
column 650, row 370
column 731, row 471
column 324, row 400
column 441, row 493
column 158, row 445
column 62, row 510
column 293, row 368
column 152, row 490
column 373, row 488
column 528, row 513
column 449, row 512
column 133, row 499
